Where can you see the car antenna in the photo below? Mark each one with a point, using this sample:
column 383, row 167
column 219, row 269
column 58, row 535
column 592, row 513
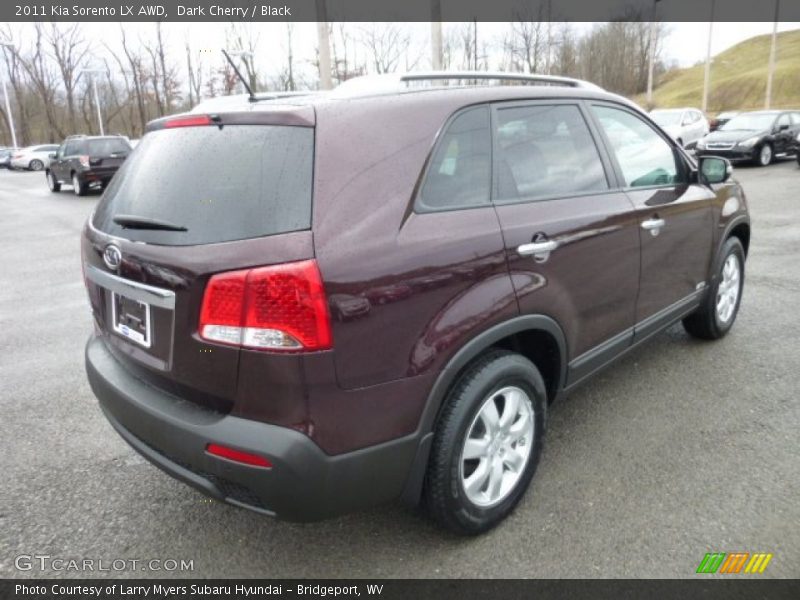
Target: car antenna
column 250, row 95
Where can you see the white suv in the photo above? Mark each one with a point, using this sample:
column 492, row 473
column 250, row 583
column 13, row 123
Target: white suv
column 685, row 125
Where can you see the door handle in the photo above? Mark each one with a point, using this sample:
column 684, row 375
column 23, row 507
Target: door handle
column 653, row 225
column 537, row 248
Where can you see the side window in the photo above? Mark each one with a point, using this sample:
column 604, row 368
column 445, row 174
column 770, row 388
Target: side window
column 795, row 118
column 644, row 157
column 61, row 150
column 545, row 151
column 69, row 149
column 782, row 120
column 459, row 175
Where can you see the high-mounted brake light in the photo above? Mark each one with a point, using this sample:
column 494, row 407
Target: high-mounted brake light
column 190, row 121
column 281, row 307
column 238, row 456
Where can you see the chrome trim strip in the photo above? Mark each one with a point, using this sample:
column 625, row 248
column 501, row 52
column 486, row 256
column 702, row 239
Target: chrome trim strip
column 132, row 289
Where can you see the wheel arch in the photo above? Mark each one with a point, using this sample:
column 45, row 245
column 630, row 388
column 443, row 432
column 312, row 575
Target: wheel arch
column 537, row 337
column 741, row 230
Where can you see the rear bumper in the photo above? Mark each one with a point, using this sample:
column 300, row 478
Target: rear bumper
column 304, row 484
column 93, row 174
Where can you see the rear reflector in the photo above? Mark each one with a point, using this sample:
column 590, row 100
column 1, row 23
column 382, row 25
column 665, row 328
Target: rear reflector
column 238, row 456
column 281, row 307
column 191, row 121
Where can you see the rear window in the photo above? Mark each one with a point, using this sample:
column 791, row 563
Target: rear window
column 107, row 147
column 221, row 184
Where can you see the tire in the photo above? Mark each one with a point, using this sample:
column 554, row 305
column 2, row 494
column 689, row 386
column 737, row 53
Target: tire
column 764, row 156
column 52, row 182
column 36, row 165
column 497, row 377
column 710, row 321
column 78, row 187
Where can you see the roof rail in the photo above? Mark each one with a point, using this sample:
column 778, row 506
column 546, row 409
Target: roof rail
column 393, row 82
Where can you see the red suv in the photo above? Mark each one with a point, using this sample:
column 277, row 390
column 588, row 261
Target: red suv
column 311, row 305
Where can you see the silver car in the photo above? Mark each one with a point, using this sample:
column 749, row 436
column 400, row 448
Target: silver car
column 684, row 125
column 33, row 158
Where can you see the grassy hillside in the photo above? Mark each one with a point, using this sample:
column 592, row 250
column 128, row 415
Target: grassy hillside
column 738, row 78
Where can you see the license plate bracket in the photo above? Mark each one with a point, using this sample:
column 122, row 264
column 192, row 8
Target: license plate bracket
column 131, row 319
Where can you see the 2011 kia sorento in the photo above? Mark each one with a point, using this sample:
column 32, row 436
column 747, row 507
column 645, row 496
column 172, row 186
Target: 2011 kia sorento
column 310, row 305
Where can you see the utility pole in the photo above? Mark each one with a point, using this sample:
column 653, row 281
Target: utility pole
column 772, row 51
column 475, row 48
column 436, row 35
column 9, row 114
column 92, row 73
column 323, row 36
column 549, row 53
column 651, row 58
column 707, row 72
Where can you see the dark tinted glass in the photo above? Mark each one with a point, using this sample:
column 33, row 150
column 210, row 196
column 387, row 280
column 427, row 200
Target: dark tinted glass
column 107, row 147
column 460, row 172
column 546, row 151
column 222, row 184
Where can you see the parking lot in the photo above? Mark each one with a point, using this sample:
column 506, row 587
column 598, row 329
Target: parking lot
column 681, row 448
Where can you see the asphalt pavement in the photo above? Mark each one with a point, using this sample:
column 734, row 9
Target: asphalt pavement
column 682, row 448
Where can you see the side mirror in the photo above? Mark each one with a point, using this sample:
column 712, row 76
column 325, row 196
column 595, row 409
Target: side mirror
column 52, row 155
column 783, row 127
column 715, row 169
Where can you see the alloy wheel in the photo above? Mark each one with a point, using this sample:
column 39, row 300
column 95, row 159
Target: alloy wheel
column 497, row 446
column 728, row 290
column 765, row 156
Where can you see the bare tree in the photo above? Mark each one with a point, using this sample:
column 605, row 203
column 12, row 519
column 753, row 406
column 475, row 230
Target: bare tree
column 386, row 44
column 42, row 76
column 138, row 77
column 195, row 72
column 70, row 50
column 526, row 43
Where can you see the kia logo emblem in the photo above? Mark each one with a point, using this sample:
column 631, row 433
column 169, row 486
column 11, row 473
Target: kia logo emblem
column 112, row 256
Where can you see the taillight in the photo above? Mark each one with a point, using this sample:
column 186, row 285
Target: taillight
column 84, row 160
column 189, row 121
column 281, row 307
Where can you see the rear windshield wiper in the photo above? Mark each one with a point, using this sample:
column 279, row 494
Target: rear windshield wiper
column 134, row 222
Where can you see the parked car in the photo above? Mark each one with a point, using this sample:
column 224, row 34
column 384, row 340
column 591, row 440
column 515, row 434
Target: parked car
column 560, row 226
column 32, row 158
column 756, row 136
column 685, row 125
column 5, row 157
column 722, row 118
column 86, row 162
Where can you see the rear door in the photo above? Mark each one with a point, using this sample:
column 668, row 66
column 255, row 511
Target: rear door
column 228, row 197
column 783, row 133
column 72, row 149
column 674, row 215
column 571, row 235
column 57, row 164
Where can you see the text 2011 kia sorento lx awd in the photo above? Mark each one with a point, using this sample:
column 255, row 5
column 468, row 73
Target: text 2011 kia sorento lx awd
column 311, row 305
